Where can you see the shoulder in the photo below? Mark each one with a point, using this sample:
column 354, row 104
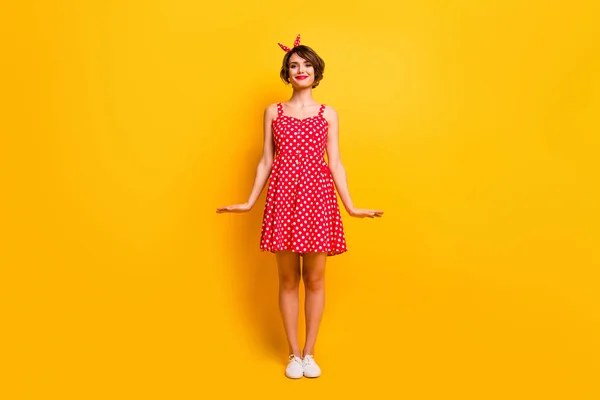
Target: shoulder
column 330, row 113
column 271, row 108
column 271, row 111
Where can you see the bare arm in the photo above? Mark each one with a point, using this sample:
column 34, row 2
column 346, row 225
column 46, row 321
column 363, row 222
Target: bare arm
column 263, row 170
column 337, row 169
column 335, row 163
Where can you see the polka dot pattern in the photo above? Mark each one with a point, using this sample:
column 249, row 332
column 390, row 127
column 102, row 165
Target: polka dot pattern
column 301, row 211
column 296, row 44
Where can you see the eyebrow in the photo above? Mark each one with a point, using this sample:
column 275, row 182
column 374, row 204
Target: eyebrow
column 296, row 62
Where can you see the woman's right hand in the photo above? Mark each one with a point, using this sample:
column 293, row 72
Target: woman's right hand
column 236, row 208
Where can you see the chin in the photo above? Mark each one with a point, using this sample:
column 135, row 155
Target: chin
column 303, row 85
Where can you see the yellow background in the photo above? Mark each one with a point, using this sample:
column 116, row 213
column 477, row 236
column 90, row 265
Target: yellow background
column 473, row 124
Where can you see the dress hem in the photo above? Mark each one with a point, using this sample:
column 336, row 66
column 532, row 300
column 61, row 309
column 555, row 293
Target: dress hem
column 329, row 253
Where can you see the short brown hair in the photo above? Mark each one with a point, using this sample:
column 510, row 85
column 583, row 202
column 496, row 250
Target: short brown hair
column 309, row 55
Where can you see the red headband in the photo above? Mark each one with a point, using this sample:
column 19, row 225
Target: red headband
column 296, row 44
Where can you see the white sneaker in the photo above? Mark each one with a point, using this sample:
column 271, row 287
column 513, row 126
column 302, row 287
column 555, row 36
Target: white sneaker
column 294, row 368
column 311, row 369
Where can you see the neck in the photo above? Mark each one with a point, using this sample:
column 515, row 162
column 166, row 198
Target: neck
column 302, row 97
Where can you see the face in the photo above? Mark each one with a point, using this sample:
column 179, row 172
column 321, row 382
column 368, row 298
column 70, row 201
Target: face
column 301, row 71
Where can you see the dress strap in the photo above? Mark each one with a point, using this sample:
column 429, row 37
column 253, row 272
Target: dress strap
column 321, row 110
column 279, row 109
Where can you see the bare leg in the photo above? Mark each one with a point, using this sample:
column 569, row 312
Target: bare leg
column 313, row 275
column 288, row 264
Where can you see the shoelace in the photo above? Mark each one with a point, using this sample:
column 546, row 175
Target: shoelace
column 295, row 358
column 308, row 360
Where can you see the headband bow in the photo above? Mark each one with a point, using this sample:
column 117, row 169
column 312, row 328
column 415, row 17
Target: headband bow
column 296, row 44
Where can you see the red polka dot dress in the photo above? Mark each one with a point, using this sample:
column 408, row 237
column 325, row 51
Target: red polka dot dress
column 301, row 210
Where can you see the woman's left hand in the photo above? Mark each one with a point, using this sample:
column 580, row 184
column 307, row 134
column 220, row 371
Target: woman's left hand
column 362, row 213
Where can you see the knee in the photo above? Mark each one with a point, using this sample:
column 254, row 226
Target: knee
column 314, row 283
column 289, row 282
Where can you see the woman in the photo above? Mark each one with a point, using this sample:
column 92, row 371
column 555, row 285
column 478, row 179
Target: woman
column 301, row 214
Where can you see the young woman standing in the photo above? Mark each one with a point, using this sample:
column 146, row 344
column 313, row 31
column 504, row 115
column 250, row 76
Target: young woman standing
column 301, row 217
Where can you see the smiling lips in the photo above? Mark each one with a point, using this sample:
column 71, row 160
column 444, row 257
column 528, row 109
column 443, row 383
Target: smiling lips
column 301, row 77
